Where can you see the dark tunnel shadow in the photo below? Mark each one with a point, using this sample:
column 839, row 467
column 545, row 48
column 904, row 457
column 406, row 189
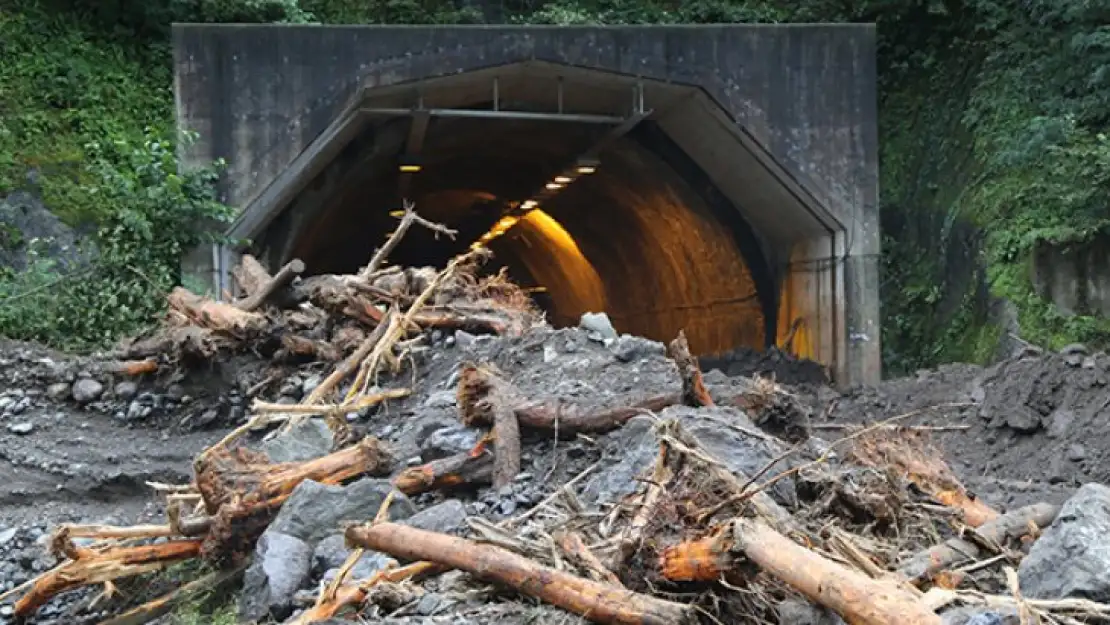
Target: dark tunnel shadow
column 648, row 238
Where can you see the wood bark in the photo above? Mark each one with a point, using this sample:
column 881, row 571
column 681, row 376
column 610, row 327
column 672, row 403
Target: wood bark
column 488, row 398
column 242, row 491
column 250, row 275
column 131, row 367
column 309, row 348
column 265, row 291
column 694, row 392
column 94, row 567
column 858, row 599
column 472, row 468
column 1010, row 526
column 575, row 548
column 595, row 601
column 350, row 364
column 214, row 315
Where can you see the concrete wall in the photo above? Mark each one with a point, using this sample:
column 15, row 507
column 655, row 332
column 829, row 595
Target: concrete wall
column 258, row 94
column 1076, row 278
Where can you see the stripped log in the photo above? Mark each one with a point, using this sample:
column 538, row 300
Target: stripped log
column 594, row 601
column 694, row 392
column 858, row 599
column 215, row 315
column 284, row 276
column 1014, row 524
column 470, row 468
column 250, row 275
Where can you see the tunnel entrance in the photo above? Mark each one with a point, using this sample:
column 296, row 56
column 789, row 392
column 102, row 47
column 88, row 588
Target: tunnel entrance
column 610, row 184
column 570, row 178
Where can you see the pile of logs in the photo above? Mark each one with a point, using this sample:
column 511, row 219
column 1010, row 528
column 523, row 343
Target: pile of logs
column 693, row 529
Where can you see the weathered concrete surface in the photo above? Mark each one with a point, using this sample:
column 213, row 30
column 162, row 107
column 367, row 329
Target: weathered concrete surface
column 801, row 100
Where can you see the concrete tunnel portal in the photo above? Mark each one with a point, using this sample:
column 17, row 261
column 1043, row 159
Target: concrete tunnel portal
column 598, row 190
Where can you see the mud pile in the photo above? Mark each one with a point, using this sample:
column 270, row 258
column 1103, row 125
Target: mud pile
column 417, row 446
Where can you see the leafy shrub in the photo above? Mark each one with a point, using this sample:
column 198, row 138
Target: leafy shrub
column 152, row 216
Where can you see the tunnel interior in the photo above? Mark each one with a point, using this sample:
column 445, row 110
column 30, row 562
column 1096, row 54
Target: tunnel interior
column 647, row 237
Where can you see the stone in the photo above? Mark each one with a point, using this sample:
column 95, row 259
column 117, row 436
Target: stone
column 86, row 390
column 970, row 615
column 22, row 429
column 58, row 391
column 126, row 390
column 8, row 535
column 1059, row 422
column 280, row 566
column 308, row 439
column 465, row 339
column 631, row 348
column 1076, row 452
column 440, row 399
column 1023, row 419
column 1072, row 557
column 443, row 517
column 315, row 511
column 598, row 323
column 801, row 612
column 332, row 552
column 448, row 441
column 1075, row 348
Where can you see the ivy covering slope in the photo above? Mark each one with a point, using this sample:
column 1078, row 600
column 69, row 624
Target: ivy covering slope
column 991, row 120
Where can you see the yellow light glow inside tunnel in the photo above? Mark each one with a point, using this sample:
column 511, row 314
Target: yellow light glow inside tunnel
column 579, row 285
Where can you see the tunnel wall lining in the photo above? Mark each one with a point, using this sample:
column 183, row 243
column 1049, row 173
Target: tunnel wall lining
column 259, row 94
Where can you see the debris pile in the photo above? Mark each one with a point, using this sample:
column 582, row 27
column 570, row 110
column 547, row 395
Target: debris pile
column 458, row 460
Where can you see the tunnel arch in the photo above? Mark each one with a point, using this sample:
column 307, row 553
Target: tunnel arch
column 635, row 239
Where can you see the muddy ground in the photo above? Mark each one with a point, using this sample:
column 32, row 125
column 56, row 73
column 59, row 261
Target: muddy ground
column 79, row 446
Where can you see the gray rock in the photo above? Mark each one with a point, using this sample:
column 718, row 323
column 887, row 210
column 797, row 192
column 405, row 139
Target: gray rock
column 800, row 612
column 315, row 511
column 126, row 390
column 1059, row 422
column 1075, row 348
column 281, row 565
column 308, row 439
column 967, row 615
column 1076, row 452
column 7, row 535
column 1072, row 558
column 23, row 428
column 465, row 339
column 310, row 384
column 58, row 391
column 1023, row 419
column 632, row 348
column 443, row 517
column 599, row 323
column 448, row 441
column 440, row 399
column 86, row 390
column 332, row 552
column 634, row 448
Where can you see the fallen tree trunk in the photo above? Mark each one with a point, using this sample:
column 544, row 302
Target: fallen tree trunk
column 595, row 601
column 355, row 593
column 284, row 276
column 1010, row 526
column 95, row 567
column 215, row 315
column 858, row 599
column 471, row 468
column 488, row 398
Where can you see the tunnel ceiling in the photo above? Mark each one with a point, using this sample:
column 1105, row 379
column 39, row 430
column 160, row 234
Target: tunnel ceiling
column 683, row 227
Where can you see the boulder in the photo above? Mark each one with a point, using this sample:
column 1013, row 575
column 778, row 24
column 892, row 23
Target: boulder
column 801, row 612
column 315, row 511
column 598, row 323
column 280, row 566
column 308, row 439
column 86, row 390
column 1072, row 557
column 443, row 517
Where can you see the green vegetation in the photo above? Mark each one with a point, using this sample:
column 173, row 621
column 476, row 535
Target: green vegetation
column 992, row 121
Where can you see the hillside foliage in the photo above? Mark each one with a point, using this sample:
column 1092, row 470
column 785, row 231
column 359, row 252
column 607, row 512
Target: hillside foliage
column 992, row 124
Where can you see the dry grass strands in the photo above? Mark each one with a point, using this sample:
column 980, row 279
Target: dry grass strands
column 594, row 601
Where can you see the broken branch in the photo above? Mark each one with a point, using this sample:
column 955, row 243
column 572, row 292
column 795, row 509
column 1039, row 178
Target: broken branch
column 284, row 276
column 595, row 601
